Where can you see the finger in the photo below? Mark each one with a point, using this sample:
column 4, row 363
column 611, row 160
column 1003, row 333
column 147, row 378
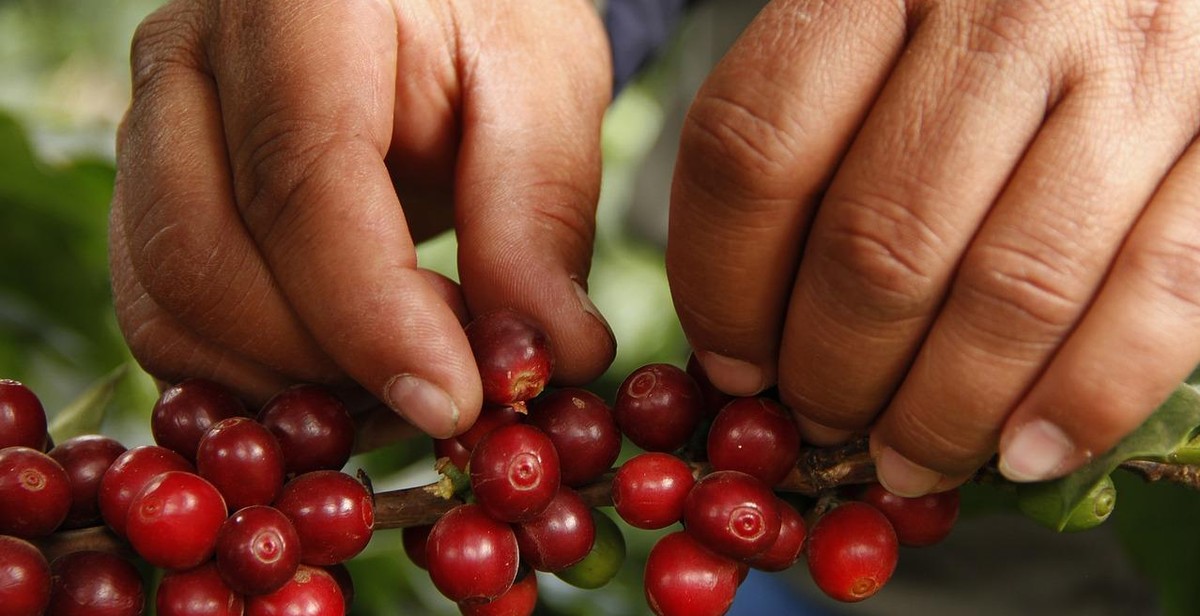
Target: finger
column 758, row 147
column 308, row 118
column 529, row 175
column 956, row 116
column 1139, row 340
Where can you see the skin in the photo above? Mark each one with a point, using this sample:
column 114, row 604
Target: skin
column 972, row 224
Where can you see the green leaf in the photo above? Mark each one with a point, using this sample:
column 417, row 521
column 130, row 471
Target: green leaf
column 1165, row 436
column 85, row 414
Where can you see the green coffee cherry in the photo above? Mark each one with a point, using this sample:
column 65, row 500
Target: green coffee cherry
column 603, row 562
column 1043, row 502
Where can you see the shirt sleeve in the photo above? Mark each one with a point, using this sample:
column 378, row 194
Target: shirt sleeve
column 637, row 30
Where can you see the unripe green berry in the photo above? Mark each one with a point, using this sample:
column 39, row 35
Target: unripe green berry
column 1043, row 502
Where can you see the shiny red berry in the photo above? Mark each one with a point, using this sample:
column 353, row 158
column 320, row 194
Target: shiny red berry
column 514, row 472
column 185, row 411
column 491, row 417
column 173, row 521
column 86, row 459
column 129, row 473
column 414, row 539
column 472, row 557
column 649, row 490
column 312, row 591
column 196, row 592
column 257, row 550
column 519, row 600
column 243, row 460
column 788, row 547
column 658, row 407
column 513, row 355
column 732, row 514
column 22, row 418
column 345, row 582
column 558, row 537
column 35, row 493
column 95, row 584
column 852, row 551
column 756, row 436
column 578, row 421
column 313, row 427
column 919, row 522
column 333, row 513
column 24, row 578
column 453, row 450
column 682, row 578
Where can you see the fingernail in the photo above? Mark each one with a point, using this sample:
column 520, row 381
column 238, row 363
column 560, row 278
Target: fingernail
column 1037, row 451
column 732, row 376
column 424, row 404
column 589, row 307
column 820, row 435
column 902, row 476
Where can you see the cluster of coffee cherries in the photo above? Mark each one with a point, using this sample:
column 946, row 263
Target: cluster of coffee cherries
column 530, row 453
column 241, row 514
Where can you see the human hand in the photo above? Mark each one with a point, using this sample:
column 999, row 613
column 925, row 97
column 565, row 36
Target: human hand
column 964, row 226
column 281, row 159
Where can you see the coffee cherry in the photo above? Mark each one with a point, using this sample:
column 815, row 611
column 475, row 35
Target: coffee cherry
column 732, row 514
column 95, row 584
column 1043, row 503
column 185, row 411
column 514, row 472
column 919, row 522
column 756, row 436
column 333, row 513
column 604, row 560
column 35, row 492
column 129, row 473
column 312, row 591
column 24, row 578
column 519, row 600
column 450, row 448
column 22, row 418
column 658, row 407
column 491, row 417
column 85, row 460
column 578, row 421
column 414, row 539
column 683, row 578
column 513, row 355
column 196, row 592
column 852, row 551
column 345, row 582
column 472, row 557
column 243, row 460
column 558, row 537
column 714, row 399
column 313, row 427
column 173, row 521
column 257, row 550
column 788, row 546
column 649, row 490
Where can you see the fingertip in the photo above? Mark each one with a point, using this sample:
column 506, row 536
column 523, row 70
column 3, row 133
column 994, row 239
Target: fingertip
column 427, row 406
column 733, row 376
column 902, row 476
column 1036, row 450
column 820, row 435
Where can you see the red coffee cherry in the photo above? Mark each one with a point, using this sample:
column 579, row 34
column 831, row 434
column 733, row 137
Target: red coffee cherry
column 472, row 557
column 85, row 459
column 658, row 407
column 414, row 539
column 243, row 460
column 513, row 355
column 22, row 418
column 95, row 584
column 732, row 514
column 788, row 547
column 312, row 591
column 919, row 522
column 756, row 436
column 129, row 473
column 333, row 513
column 514, row 472
column 35, row 492
column 196, row 592
column 685, row 579
column 491, row 417
column 257, row 550
column 519, row 600
column 345, row 582
column 24, row 578
column 173, row 521
column 558, row 537
column 852, row 551
column 450, row 448
column 649, row 490
column 185, row 411
column 578, row 421
column 313, row 427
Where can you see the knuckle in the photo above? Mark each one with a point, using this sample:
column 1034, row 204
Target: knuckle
column 1171, row 265
column 168, row 39
column 950, row 443
column 1028, row 291
column 740, row 142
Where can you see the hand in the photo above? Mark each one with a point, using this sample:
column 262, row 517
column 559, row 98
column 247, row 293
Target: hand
column 280, row 160
column 967, row 226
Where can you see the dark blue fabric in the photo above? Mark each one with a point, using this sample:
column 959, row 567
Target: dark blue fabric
column 637, row 30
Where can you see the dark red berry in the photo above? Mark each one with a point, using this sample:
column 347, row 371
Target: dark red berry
column 732, row 514
column 558, row 537
column 756, row 436
column 788, row 546
column 173, row 521
column 34, row 491
column 492, row 416
column 685, row 579
column 196, row 592
column 313, row 428
column 514, row 472
column 257, row 550
column 452, row 450
column 714, row 399
column 472, row 557
column 852, row 551
column 95, row 584
column 22, row 418
column 243, row 460
column 649, row 490
column 519, row 600
column 185, row 411
column 919, row 522
column 414, row 539
column 513, row 355
column 658, row 407
column 345, row 582
column 86, row 459
column 312, row 591
column 333, row 513
column 578, row 421
column 24, row 578
column 129, row 473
